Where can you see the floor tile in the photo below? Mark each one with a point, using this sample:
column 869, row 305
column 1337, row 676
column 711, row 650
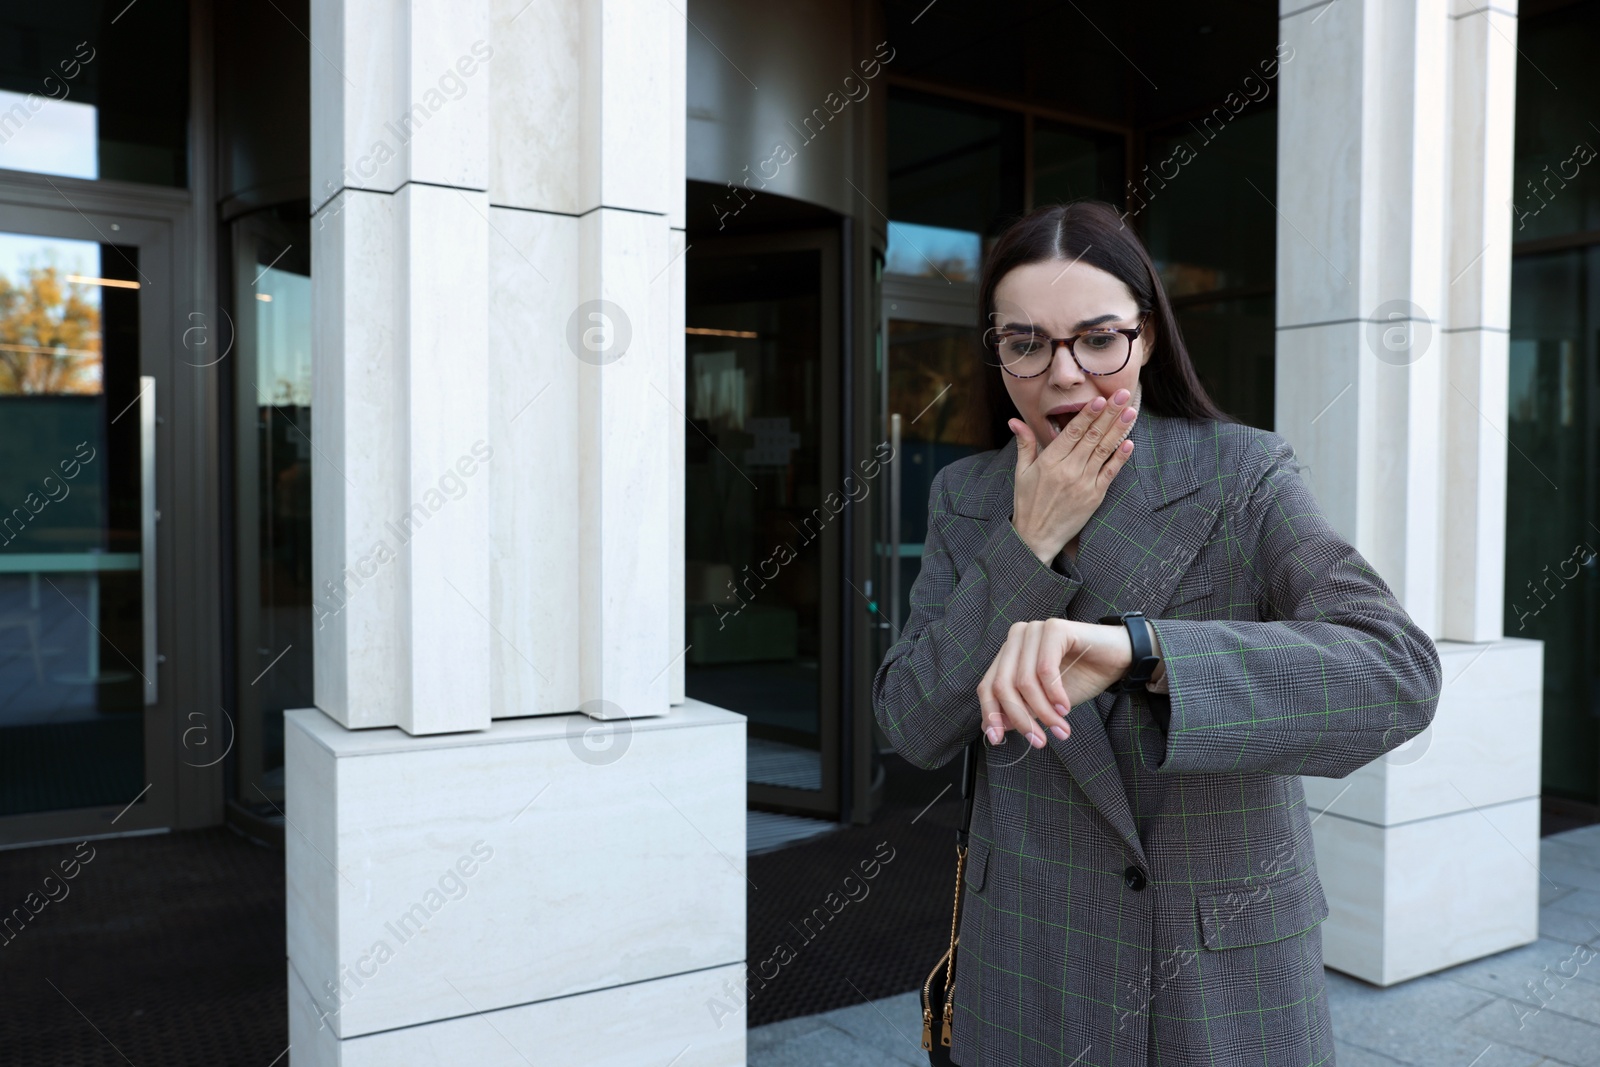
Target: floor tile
column 1548, row 1033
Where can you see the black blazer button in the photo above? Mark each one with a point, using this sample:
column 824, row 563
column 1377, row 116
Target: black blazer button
column 1134, row 878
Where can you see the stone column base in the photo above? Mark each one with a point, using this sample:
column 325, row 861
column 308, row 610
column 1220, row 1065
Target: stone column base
column 646, row 1022
column 551, row 890
column 1430, row 855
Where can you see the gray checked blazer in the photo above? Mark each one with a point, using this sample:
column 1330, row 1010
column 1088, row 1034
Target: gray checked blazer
column 1137, row 895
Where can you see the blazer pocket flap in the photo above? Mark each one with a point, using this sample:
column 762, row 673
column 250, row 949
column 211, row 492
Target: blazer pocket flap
column 977, row 865
column 1261, row 912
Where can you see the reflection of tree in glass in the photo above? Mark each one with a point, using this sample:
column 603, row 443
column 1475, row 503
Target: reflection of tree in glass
column 49, row 336
column 1186, row 279
column 950, row 268
column 287, row 394
column 936, row 383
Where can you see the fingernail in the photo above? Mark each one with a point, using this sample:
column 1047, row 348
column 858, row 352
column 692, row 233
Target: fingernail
column 1060, row 732
column 993, row 733
column 1128, row 414
column 1121, row 396
column 1035, row 740
column 1061, row 711
column 1097, row 404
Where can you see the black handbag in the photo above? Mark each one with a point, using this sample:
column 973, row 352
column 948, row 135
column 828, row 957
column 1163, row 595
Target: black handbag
column 940, row 988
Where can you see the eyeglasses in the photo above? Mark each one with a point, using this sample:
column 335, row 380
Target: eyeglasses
column 1027, row 354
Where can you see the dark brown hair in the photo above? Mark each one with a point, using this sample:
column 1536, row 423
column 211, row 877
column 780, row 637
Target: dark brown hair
column 1093, row 232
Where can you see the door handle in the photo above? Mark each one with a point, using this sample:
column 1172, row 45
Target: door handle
column 147, row 528
column 894, row 526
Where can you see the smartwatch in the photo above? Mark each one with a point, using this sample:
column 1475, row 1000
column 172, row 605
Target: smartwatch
column 1144, row 650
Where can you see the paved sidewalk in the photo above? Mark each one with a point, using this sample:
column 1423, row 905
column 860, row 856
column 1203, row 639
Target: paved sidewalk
column 1535, row 1006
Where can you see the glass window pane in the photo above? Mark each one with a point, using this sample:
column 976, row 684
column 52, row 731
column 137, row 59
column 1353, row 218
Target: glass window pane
column 272, row 311
column 95, row 90
column 1556, row 185
column 933, row 251
column 1206, row 228
column 953, row 166
column 71, row 595
column 1214, row 242
column 1552, row 591
column 1231, row 344
column 1075, row 164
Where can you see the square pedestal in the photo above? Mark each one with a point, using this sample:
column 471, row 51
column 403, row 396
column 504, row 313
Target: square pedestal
column 1430, row 855
column 647, row 1022
column 442, row 877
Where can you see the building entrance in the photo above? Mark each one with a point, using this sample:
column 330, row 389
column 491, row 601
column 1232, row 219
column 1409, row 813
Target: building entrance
column 764, row 504
column 91, row 732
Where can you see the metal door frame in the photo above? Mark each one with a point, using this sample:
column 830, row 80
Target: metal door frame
column 186, row 730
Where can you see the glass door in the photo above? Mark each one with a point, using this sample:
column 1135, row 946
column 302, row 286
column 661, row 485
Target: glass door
column 272, row 449
column 762, row 514
column 85, row 741
column 934, row 413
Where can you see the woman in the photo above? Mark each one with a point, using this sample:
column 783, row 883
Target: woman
column 1140, row 884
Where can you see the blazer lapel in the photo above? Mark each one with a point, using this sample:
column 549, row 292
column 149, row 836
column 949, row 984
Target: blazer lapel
column 1131, row 555
column 1089, row 759
column 1144, row 535
column 1146, row 532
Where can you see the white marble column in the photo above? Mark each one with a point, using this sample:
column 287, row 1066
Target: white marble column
column 1394, row 156
column 477, row 871
column 1478, row 318
column 587, row 197
column 400, row 154
column 1359, row 288
column 498, row 248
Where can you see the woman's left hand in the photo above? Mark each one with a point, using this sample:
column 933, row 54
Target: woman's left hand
column 1043, row 670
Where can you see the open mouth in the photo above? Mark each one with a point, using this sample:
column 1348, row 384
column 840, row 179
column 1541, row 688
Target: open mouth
column 1058, row 419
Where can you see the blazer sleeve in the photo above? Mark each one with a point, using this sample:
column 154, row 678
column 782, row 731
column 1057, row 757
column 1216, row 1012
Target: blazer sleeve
column 925, row 693
column 1334, row 676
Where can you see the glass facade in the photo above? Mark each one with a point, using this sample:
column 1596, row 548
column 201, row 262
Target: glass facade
column 1072, row 163
column 99, row 92
column 1555, row 192
column 1203, row 202
column 1553, row 502
column 96, row 90
column 955, row 175
column 1552, row 591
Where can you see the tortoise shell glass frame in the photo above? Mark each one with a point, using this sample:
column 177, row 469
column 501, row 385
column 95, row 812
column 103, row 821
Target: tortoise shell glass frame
column 999, row 337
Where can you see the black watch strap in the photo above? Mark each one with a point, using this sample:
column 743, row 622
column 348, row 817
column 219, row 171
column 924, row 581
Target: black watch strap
column 1144, row 650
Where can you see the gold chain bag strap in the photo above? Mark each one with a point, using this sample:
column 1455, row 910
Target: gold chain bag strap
column 941, row 988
